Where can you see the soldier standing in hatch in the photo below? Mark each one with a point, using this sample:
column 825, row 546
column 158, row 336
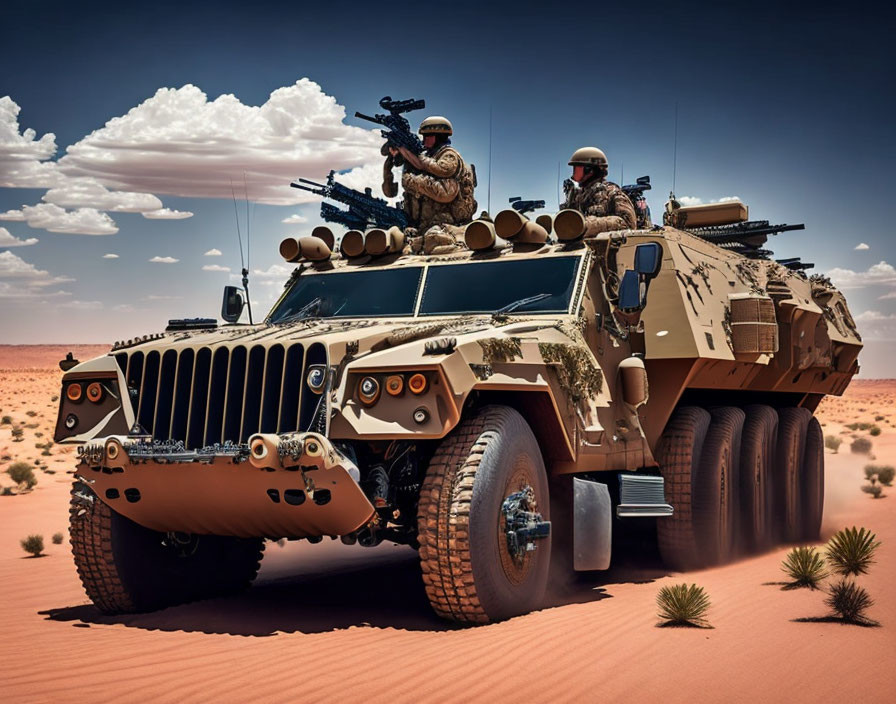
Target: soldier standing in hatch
column 605, row 205
column 438, row 184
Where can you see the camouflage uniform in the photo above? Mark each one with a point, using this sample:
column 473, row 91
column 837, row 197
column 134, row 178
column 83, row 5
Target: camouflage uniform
column 442, row 194
column 605, row 206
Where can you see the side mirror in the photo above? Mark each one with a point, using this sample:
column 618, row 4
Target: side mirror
column 232, row 304
column 648, row 259
column 632, row 292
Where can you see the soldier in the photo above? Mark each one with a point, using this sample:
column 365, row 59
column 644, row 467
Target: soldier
column 604, row 204
column 438, row 184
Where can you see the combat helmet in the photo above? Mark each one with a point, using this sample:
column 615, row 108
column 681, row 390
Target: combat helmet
column 588, row 156
column 436, row 124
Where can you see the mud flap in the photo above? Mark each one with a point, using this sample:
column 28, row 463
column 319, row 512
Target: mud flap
column 592, row 525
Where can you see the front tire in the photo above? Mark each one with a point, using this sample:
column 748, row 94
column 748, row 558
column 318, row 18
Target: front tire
column 126, row 568
column 469, row 572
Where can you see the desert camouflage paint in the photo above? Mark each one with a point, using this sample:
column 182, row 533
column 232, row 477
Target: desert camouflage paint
column 605, row 205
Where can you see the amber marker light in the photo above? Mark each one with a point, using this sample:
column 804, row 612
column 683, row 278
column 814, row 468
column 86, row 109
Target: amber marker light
column 394, row 385
column 417, row 383
column 368, row 390
column 95, row 392
column 74, row 392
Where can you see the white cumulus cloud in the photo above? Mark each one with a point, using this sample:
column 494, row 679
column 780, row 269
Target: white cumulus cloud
column 166, row 144
column 164, row 260
column 875, row 325
column 212, row 253
column 693, row 200
column 23, row 157
column 7, row 240
column 861, row 246
column 83, row 221
column 82, row 305
column 16, row 215
column 109, row 255
column 167, row 214
column 89, row 193
column 295, row 219
column 16, row 268
column 215, row 267
column 878, row 274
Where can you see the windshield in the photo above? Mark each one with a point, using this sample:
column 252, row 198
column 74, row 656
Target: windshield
column 521, row 286
column 379, row 292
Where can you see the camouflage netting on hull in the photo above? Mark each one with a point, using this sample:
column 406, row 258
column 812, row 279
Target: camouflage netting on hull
column 500, row 349
column 577, row 372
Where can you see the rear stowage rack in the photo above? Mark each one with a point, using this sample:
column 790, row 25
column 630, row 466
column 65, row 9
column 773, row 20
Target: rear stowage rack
column 641, row 496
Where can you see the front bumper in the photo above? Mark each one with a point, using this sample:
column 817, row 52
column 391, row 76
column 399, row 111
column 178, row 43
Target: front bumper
column 295, row 485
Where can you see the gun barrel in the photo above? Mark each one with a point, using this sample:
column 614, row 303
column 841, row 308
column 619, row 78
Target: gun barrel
column 362, row 116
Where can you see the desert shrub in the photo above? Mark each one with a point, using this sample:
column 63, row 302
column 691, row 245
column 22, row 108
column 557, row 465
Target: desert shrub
column 832, row 442
column 851, row 551
column 22, row 473
column 57, row 538
column 873, row 489
column 33, row 544
column 853, row 426
column 683, row 605
column 6, row 420
column 860, row 446
column 886, row 474
column 849, row 601
column 17, row 434
column 31, row 414
column 805, row 566
column 55, row 398
column 7, row 491
column 879, row 417
column 874, row 431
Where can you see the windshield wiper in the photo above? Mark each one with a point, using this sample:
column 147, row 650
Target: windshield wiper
column 510, row 307
column 309, row 309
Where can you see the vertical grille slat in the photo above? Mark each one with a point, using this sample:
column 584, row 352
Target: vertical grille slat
column 293, row 370
column 199, row 398
column 254, row 387
column 148, row 392
column 217, row 390
column 233, row 405
column 273, row 383
column 183, row 388
column 164, row 396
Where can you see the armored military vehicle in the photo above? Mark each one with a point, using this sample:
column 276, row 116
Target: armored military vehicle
column 485, row 403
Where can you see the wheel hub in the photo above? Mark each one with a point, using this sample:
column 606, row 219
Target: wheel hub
column 523, row 524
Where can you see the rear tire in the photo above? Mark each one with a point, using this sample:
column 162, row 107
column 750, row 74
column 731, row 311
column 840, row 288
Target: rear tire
column 678, row 455
column 715, row 490
column 813, row 481
column 757, row 454
column 127, row 568
column 469, row 574
column 792, row 427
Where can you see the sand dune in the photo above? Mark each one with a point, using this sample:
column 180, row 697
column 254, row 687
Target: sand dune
column 330, row 623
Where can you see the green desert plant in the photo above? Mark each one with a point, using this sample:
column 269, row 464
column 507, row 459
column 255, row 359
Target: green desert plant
column 17, row 434
column 31, row 414
column 832, row 442
column 57, row 538
column 874, row 431
column 873, row 489
column 851, row 551
column 22, row 473
column 805, row 566
column 885, row 474
column 33, row 544
column 879, row 417
column 860, row 446
column 849, row 601
column 683, row 605
column 6, row 420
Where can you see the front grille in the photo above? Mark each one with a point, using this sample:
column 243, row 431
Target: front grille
column 209, row 395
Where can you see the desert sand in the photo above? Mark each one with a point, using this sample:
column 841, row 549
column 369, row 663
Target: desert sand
column 331, row 623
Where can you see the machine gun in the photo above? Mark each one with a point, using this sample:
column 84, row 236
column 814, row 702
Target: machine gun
column 747, row 238
column 795, row 264
column 635, row 192
column 398, row 130
column 525, row 206
column 363, row 208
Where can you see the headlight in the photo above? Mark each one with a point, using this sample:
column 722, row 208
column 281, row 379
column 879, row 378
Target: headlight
column 395, row 385
column 74, row 392
column 95, row 392
column 317, row 378
column 368, row 390
column 417, row 383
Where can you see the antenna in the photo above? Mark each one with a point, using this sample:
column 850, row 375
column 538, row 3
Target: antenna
column 621, row 173
column 675, row 148
column 488, row 205
column 559, row 181
column 246, row 268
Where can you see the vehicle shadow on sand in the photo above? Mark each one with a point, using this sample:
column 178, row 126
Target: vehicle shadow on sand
column 379, row 591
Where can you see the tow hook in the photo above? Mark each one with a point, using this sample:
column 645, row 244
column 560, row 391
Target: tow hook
column 523, row 524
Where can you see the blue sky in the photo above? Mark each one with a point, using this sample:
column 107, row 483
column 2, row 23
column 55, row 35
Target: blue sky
column 789, row 109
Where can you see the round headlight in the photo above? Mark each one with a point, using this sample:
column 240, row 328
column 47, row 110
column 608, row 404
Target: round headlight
column 71, row 420
column 317, row 378
column 394, row 385
column 421, row 415
column 74, row 392
column 368, row 390
column 417, row 383
column 95, row 392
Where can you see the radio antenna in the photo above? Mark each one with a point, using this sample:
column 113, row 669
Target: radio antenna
column 488, row 205
column 248, row 251
column 675, row 148
column 559, row 181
